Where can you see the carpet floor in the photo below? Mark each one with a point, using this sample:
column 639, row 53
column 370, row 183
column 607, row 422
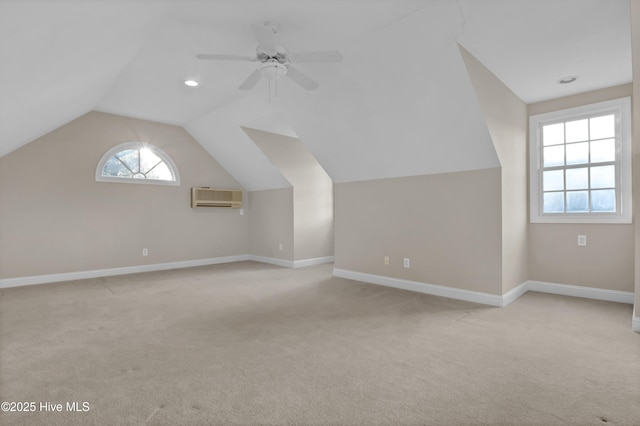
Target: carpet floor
column 253, row 344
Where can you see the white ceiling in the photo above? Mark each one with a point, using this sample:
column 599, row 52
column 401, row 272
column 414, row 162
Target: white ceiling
column 530, row 45
column 391, row 108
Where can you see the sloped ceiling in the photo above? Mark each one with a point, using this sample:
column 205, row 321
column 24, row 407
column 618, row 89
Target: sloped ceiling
column 58, row 59
column 399, row 104
column 530, row 45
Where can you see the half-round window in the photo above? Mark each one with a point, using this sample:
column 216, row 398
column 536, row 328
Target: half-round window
column 137, row 162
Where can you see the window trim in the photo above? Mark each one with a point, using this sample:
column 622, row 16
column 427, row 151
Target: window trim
column 137, row 145
column 622, row 108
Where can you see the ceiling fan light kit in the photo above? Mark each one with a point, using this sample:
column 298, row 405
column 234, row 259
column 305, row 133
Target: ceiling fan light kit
column 275, row 60
column 272, row 69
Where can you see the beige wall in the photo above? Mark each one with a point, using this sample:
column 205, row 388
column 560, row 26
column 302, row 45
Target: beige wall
column 313, row 220
column 635, row 48
column 507, row 121
column 271, row 223
column 447, row 224
column 580, row 99
column 312, row 192
column 55, row 218
column 608, row 259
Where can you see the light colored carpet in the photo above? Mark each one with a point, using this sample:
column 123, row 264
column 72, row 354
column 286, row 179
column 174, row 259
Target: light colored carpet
column 251, row 344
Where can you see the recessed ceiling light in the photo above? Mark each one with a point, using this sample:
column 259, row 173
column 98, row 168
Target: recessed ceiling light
column 191, row 83
column 567, row 80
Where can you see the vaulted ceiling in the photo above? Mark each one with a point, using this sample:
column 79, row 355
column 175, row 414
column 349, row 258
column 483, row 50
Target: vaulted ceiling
column 400, row 103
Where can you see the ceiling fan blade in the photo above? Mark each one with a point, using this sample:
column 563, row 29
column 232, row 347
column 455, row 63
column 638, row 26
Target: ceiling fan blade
column 324, row 56
column 266, row 38
column 251, row 81
column 301, row 78
column 215, row 57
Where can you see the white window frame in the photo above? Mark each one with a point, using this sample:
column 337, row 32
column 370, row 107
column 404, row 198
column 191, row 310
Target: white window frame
column 622, row 110
column 137, row 145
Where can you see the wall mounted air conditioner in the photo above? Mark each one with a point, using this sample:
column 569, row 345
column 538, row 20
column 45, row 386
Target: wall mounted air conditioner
column 210, row 197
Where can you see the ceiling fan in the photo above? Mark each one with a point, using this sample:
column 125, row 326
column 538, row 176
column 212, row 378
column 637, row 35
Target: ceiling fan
column 275, row 60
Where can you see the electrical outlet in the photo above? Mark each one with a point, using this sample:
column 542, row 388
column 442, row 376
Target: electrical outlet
column 386, row 260
column 582, row 240
column 280, row 247
column 145, row 252
column 407, row 262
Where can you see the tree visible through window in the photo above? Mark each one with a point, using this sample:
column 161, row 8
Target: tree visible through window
column 138, row 163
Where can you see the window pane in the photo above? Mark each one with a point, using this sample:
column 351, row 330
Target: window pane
column 113, row 167
column 603, row 177
column 578, row 153
column 604, row 150
column 577, row 202
column 137, row 162
column 577, row 130
column 553, row 180
column 603, row 201
column 553, row 134
column 160, row 172
column 603, row 127
column 130, row 158
column 553, row 202
column 148, row 159
column 577, row 179
column 553, row 156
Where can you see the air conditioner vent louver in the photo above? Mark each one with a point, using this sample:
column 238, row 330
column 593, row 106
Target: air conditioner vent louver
column 209, row 197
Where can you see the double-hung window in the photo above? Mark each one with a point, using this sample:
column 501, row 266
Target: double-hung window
column 580, row 164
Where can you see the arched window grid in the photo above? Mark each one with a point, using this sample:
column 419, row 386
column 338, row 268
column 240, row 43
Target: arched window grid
column 137, row 162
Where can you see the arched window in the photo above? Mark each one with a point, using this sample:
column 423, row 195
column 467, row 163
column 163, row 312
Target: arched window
column 137, row 162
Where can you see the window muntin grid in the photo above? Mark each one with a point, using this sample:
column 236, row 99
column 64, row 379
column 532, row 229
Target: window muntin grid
column 559, row 141
column 580, row 172
column 137, row 162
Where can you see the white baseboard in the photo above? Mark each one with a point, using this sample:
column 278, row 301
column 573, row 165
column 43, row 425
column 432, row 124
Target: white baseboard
column 514, row 294
column 96, row 273
column 291, row 263
column 435, row 290
column 272, row 261
column 580, row 291
column 492, row 299
column 70, row 276
column 313, row 261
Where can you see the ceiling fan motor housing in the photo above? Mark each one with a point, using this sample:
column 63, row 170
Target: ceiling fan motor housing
column 281, row 55
column 274, row 60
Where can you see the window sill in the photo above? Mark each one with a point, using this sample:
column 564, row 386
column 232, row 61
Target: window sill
column 137, row 181
column 615, row 220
